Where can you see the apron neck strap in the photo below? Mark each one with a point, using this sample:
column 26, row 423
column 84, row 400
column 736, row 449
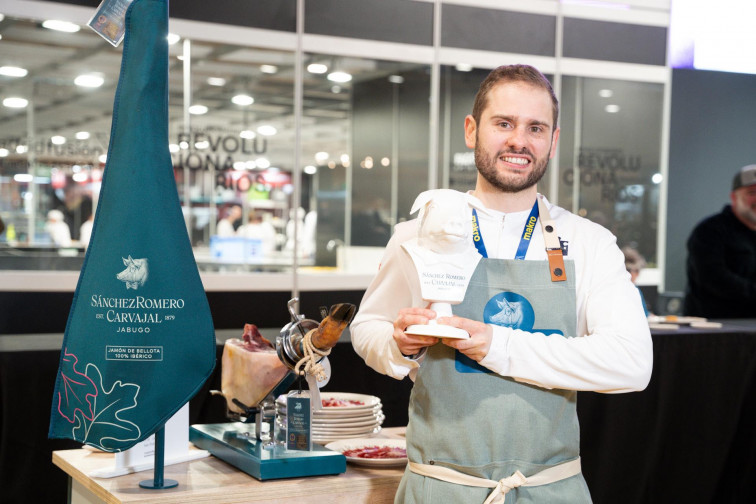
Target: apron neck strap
column 553, row 247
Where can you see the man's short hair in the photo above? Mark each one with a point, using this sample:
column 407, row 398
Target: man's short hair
column 513, row 73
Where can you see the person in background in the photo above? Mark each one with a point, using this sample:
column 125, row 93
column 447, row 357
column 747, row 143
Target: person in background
column 85, row 231
column 57, row 228
column 721, row 264
column 227, row 225
column 260, row 229
column 634, row 263
column 498, row 410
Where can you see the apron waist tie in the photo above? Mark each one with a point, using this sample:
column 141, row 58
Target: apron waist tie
column 504, row 485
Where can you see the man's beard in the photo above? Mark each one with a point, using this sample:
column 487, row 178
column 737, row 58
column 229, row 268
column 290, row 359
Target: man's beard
column 746, row 213
column 487, row 168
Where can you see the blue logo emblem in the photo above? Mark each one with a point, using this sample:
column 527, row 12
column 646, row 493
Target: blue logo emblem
column 507, row 309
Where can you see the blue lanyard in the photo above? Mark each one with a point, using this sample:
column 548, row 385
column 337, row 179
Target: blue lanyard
column 527, row 234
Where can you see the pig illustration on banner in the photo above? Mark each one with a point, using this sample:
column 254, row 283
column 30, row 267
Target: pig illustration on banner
column 135, row 274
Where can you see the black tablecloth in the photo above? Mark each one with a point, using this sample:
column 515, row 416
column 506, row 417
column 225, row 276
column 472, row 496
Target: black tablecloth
column 689, row 437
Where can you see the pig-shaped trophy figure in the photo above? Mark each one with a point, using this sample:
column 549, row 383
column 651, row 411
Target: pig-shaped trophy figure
column 444, row 255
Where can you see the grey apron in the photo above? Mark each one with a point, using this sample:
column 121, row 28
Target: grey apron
column 469, row 419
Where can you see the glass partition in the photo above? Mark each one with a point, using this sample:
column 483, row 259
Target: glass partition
column 232, row 144
column 610, row 149
column 363, row 138
column 57, row 94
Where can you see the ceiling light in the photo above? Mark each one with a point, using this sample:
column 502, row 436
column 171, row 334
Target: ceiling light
column 317, row 68
column 216, row 81
column 238, row 165
column 657, row 178
column 91, row 81
column 606, row 93
column 248, row 134
column 612, row 108
column 82, row 135
column 173, row 148
column 80, row 177
column 4, row 152
column 321, row 157
column 385, row 161
column 15, row 102
column 64, row 26
column 463, row 67
column 23, row 177
column 204, row 144
column 250, row 164
column 339, row 77
column 267, row 130
column 58, row 140
column 243, row 100
column 198, row 109
column 310, row 170
column 12, row 71
column 102, row 158
column 21, row 149
column 268, row 69
column 335, row 89
column 173, row 38
column 396, row 79
column 262, row 163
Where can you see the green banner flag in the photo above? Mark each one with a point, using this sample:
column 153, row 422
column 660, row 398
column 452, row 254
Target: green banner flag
column 139, row 341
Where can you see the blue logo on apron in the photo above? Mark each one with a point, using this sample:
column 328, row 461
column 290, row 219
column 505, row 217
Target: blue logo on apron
column 507, row 309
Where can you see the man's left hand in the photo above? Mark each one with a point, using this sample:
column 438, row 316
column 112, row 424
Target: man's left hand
column 477, row 346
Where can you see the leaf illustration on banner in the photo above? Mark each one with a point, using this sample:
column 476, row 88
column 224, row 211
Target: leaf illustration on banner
column 79, row 391
column 108, row 407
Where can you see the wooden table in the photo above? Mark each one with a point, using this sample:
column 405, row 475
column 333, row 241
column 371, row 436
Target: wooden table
column 212, row 480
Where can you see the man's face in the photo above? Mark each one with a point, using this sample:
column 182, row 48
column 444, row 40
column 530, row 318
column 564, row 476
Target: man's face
column 744, row 204
column 515, row 138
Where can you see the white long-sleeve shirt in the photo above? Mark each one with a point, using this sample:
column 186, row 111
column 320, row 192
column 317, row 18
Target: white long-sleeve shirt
column 613, row 350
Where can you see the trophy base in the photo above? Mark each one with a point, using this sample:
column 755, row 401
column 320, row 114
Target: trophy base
column 437, row 330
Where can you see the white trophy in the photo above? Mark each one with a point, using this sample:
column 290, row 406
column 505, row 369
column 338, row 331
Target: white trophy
column 444, row 256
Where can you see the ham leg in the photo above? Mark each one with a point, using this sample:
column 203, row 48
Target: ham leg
column 250, row 369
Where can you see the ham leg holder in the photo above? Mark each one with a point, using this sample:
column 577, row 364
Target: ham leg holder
column 250, row 443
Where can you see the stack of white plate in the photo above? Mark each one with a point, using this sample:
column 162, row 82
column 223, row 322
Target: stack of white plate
column 344, row 416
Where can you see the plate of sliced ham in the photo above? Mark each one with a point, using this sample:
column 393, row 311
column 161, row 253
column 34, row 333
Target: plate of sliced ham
column 372, row 451
column 343, row 402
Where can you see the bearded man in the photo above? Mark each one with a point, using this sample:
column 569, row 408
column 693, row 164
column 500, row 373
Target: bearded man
column 721, row 265
column 549, row 310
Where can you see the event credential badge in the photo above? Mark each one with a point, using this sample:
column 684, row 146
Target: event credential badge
column 139, row 341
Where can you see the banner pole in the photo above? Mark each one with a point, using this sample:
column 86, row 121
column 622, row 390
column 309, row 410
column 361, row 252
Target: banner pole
column 158, row 483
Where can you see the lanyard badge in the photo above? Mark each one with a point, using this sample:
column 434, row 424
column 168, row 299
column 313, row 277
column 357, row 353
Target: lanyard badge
column 554, row 251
